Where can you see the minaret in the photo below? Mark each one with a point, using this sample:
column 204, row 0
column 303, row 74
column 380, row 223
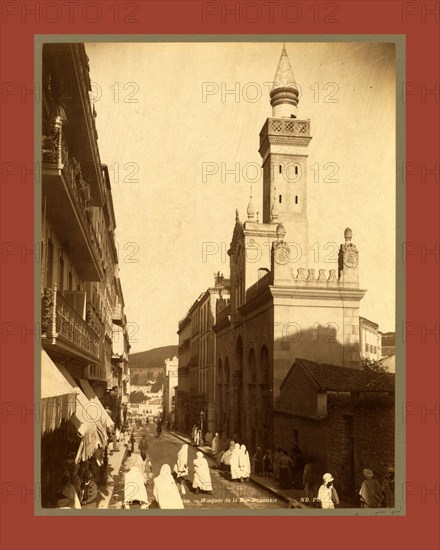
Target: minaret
column 284, row 93
column 283, row 142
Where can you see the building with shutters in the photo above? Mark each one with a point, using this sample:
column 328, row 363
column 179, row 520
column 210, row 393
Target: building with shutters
column 196, row 394
column 81, row 294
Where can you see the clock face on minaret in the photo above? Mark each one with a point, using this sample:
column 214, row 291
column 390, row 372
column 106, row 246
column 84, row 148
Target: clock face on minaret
column 350, row 258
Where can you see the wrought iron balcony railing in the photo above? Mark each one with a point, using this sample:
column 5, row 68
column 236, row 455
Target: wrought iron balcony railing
column 58, row 161
column 62, row 325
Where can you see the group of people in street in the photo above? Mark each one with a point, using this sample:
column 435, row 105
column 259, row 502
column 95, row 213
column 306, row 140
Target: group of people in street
column 201, row 474
column 78, row 488
column 287, row 468
column 80, row 482
column 170, row 484
column 234, row 461
column 291, row 470
column 196, row 435
column 376, row 494
column 372, row 492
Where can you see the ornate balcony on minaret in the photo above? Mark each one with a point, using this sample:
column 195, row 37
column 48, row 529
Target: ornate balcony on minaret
column 283, row 148
column 286, row 131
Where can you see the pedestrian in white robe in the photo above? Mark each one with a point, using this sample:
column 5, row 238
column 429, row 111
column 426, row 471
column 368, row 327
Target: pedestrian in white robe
column 235, row 463
column 134, row 487
column 202, row 475
column 244, row 463
column 165, row 490
column 181, row 467
column 143, row 462
column 327, row 494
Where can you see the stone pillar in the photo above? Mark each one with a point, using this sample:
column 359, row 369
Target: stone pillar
column 210, row 418
column 236, row 405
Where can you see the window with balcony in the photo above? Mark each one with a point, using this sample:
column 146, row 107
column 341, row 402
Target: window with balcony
column 77, row 300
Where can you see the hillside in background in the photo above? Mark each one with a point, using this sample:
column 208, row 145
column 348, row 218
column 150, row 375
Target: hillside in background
column 148, row 366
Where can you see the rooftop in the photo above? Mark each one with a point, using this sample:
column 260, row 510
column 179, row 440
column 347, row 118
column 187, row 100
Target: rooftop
column 343, row 379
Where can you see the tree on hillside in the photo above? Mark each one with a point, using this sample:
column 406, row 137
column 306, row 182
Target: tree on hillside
column 150, row 375
column 137, row 397
column 158, row 384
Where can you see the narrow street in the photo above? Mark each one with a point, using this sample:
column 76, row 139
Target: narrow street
column 225, row 494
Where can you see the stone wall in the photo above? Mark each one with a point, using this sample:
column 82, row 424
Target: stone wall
column 312, row 437
column 298, row 395
column 358, row 433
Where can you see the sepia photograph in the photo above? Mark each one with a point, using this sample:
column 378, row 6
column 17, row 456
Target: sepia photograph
column 219, row 287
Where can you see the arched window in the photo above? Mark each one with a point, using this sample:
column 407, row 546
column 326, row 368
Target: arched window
column 220, row 372
column 252, row 367
column 226, row 372
column 264, row 366
column 281, row 199
column 296, row 199
column 239, row 355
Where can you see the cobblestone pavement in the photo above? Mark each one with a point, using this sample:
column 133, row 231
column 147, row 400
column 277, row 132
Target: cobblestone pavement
column 226, row 494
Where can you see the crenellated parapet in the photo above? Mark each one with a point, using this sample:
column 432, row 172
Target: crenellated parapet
column 316, row 278
column 286, row 274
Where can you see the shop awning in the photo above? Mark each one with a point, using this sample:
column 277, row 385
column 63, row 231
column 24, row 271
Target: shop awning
column 93, row 398
column 87, row 420
column 58, row 398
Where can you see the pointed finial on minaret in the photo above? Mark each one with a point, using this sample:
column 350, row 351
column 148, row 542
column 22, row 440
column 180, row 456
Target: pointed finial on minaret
column 274, row 209
column 250, row 208
column 237, row 218
column 284, row 93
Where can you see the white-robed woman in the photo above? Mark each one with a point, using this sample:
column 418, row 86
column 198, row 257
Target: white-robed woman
column 135, row 492
column 202, row 475
column 235, row 463
column 143, row 462
column 181, row 467
column 165, row 490
column 244, row 463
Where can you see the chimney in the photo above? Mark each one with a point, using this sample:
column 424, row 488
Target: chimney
column 218, row 279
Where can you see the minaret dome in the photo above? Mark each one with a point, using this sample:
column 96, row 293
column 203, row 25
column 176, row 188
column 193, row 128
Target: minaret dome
column 284, row 93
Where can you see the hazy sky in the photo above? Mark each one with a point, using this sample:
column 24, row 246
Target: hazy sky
column 165, row 116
